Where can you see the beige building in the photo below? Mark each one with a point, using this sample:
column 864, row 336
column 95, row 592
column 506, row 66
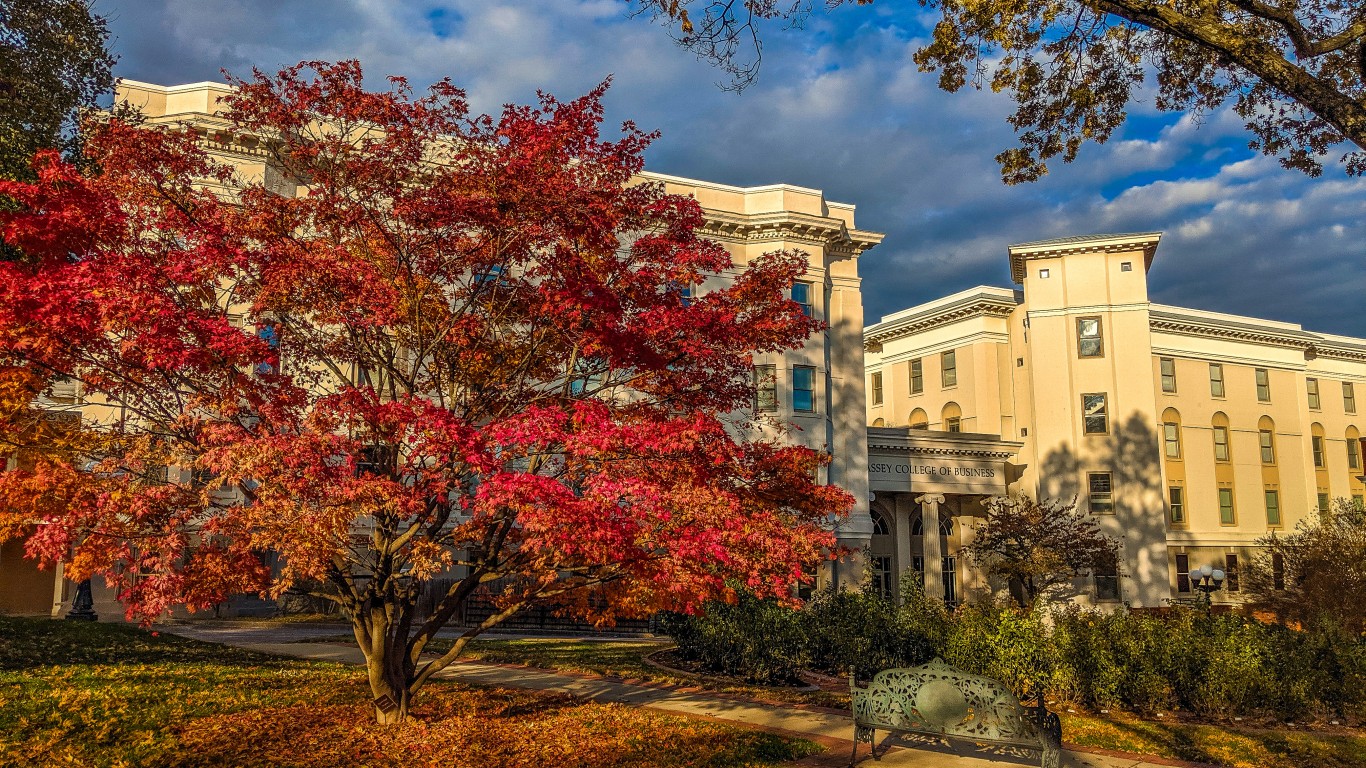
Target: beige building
column 818, row 389
column 1189, row 434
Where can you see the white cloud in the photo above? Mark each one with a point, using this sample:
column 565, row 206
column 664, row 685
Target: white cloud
column 839, row 106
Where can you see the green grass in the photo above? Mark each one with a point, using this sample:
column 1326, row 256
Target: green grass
column 105, row 695
column 1217, row 743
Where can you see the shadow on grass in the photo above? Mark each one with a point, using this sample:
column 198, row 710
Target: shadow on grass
column 30, row 643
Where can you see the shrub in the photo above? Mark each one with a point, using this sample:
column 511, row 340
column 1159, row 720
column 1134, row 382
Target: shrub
column 864, row 632
column 758, row 640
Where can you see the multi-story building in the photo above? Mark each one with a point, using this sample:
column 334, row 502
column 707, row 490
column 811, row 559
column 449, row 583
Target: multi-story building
column 818, row 388
column 1188, row 434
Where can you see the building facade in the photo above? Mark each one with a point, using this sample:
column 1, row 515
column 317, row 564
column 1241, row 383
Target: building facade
column 1188, row 434
column 817, row 389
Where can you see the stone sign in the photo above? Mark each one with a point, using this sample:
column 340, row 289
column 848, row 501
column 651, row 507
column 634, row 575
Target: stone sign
column 924, row 474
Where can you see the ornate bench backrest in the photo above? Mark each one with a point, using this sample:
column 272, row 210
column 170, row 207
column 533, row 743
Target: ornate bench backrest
column 937, row 698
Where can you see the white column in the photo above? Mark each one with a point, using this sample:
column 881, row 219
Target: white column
column 933, row 551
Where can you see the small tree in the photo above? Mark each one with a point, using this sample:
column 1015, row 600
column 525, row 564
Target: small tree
column 1315, row 573
column 1037, row 547
column 460, row 361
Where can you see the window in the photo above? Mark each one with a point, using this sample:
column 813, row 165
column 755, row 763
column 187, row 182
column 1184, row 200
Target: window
column 1265, row 439
column 1126, row 266
column 1043, row 273
column 493, row 274
column 1089, row 343
column 1273, row 508
column 1168, row 367
column 950, row 574
column 765, row 388
column 1107, row 583
column 1311, row 387
column 1216, row 380
column 1100, row 490
column 1176, row 501
column 1263, row 385
column 1277, row 571
column 881, row 567
column 876, row 388
column 948, row 368
column 917, row 377
column 1226, row 506
column 1231, row 572
column 1220, row 443
column 880, row 525
column 1353, row 452
column 1316, row 441
column 1323, row 501
column 1171, row 438
column 1183, row 573
column 919, row 420
column 804, row 389
column 801, row 293
column 1349, row 397
column 951, row 417
column 879, row 422
column 270, row 335
column 1094, row 418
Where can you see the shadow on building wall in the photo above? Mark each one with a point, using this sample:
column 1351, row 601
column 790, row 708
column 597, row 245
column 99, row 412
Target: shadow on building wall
column 1130, row 453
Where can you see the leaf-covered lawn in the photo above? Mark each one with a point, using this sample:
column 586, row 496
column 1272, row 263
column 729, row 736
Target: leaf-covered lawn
column 102, row 695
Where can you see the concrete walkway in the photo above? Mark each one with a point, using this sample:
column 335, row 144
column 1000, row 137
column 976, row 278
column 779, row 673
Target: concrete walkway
column 831, row 730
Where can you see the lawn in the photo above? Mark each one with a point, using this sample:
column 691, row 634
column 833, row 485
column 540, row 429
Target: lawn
column 105, row 695
column 1225, row 744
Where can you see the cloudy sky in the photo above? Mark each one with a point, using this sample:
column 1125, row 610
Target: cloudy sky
column 839, row 106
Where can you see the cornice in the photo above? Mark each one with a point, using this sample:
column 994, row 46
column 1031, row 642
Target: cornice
column 1138, row 241
column 956, row 444
column 1188, row 325
column 975, row 305
column 774, row 226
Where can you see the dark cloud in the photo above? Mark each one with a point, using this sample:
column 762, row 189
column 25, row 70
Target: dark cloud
column 839, row 107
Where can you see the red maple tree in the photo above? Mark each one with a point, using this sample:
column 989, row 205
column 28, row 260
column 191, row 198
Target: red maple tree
column 459, row 359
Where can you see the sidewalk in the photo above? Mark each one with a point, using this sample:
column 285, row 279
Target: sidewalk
column 832, row 731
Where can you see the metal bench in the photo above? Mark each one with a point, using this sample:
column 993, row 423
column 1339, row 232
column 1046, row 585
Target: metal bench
column 938, row 701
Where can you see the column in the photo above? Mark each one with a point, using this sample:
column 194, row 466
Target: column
column 934, row 550
column 902, row 532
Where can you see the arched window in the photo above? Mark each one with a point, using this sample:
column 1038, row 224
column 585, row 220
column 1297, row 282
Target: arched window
column 1219, row 426
column 1171, row 433
column 951, row 418
column 1316, row 444
column 919, row 419
column 1266, row 439
column 879, row 524
column 1353, row 451
column 945, row 526
column 879, row 422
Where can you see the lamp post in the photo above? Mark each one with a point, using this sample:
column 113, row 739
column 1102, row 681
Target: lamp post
column 1206, row 581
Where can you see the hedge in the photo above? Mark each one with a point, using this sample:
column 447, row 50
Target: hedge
column 1215, row 665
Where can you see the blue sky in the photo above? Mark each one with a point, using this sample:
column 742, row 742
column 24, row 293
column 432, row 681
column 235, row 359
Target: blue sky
column 839, row 106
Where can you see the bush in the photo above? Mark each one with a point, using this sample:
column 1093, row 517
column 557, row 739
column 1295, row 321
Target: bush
column 758, row 640
column 1216, row 666
column 864, row 632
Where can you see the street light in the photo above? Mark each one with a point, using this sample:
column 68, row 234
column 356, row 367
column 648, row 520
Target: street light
column 1210, row 579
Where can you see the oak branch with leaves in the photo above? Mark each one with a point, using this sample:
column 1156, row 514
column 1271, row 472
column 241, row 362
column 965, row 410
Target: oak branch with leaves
column 459, row 361
column 1293, row 70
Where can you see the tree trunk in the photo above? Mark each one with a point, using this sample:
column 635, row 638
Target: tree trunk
column 388, row 684
column 386, row 665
